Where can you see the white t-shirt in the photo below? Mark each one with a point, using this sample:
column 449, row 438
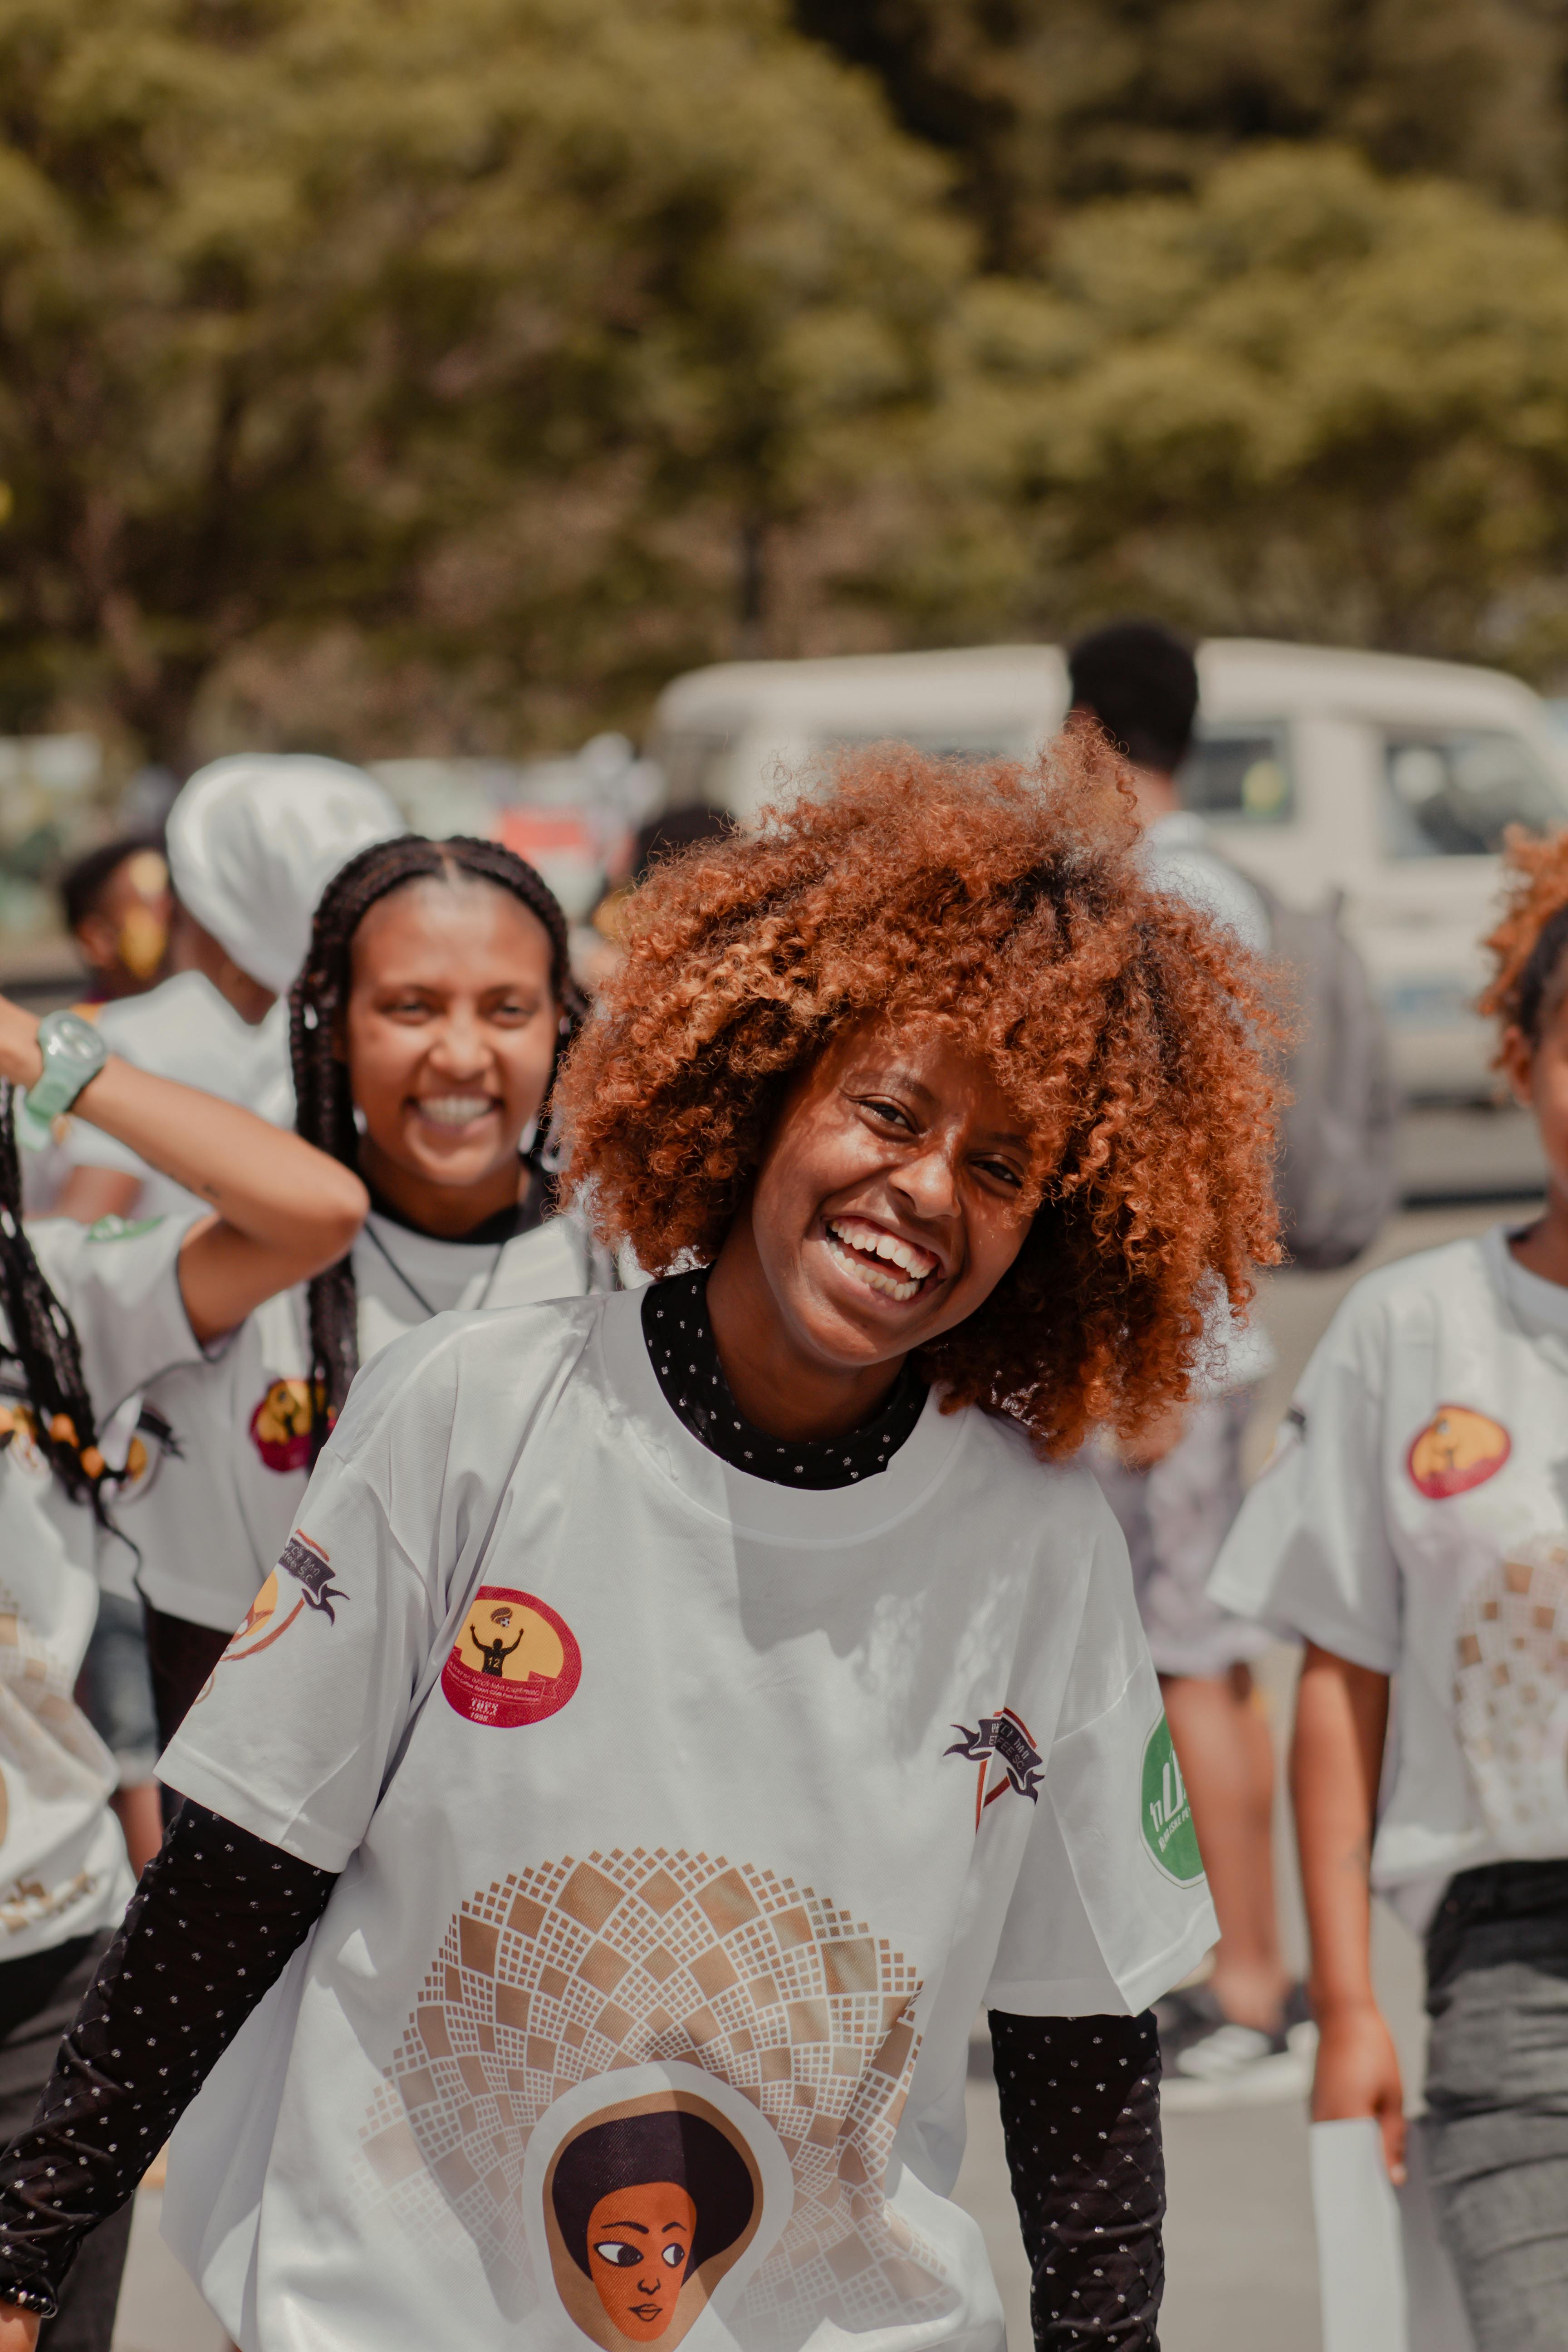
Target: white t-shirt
column 183, row 1029
column 212, row 1517
column 659, row 1789
column 1413, row 1518
column 63, row 1870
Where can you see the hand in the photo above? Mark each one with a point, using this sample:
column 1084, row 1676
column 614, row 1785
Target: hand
column 1357, row 2075
column 22, row 1062
column 18, row 2329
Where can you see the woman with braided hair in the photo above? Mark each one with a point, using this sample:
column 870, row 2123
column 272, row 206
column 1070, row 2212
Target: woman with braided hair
column 88, row 1316
column 425, row 1025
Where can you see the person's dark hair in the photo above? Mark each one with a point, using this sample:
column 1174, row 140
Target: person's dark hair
column 40, row 1360
column 666, row 2145
column 324, row 1112
column 82, row 884
column 677, row 829
column 1141, row 682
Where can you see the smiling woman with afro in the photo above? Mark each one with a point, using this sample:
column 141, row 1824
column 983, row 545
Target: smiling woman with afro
column 1004, row 907
column 830, row 1717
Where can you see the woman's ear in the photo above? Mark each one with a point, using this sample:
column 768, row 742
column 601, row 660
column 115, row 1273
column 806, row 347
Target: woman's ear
column 1517, row 1059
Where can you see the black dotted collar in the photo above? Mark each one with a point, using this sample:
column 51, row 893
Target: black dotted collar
column 685, row 1359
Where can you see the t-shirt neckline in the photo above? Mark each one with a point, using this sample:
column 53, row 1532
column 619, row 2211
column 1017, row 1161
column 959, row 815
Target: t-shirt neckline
column 757, row 1506
column 1540, row 1307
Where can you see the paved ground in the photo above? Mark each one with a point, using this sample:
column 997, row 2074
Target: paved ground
column 1240, row 2250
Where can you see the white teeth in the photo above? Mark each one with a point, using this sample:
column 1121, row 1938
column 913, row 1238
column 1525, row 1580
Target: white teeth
column 848, row 1235
column 454, row 1111
column 861, row 1235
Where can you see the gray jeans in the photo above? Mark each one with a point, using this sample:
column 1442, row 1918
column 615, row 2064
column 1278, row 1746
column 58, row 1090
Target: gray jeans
column 1497, row 2092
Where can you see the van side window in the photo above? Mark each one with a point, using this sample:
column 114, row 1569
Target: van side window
column 693, row 763
column 1240, row 774
column 1451, row 793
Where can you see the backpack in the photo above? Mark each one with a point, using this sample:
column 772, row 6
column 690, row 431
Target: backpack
column 1337, row 1179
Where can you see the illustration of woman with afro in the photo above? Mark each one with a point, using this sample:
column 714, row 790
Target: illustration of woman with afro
column 946, row 1138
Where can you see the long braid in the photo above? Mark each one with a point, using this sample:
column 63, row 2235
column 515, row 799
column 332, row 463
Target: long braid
column 318, row 1006
column 41, row 1343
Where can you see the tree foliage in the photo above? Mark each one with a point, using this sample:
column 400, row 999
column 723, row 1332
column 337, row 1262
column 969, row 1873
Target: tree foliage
column 496, row 336
column 1048, row 104
column 1303, row 402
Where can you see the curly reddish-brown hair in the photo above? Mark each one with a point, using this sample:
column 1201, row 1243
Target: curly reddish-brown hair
column 1005, row 906
column 1531, row 943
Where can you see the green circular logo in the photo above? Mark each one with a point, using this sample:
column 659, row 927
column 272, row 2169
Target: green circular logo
column 1168, row 1831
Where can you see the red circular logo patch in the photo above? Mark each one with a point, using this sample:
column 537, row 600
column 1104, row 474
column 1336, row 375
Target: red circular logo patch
column 514, row 1662
column 1459, row 1449
column 280, row 1426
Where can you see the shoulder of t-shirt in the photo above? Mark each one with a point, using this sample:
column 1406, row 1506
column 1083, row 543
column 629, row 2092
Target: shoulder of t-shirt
column 1407, row 1301
column 1062, row 1499
column 467, row 1358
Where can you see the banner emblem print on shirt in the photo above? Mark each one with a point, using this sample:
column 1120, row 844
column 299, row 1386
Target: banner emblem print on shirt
column 515, row 1661
column 1006, row 1738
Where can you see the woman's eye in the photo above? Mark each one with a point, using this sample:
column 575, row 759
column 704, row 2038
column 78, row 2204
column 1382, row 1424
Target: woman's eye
column 674, row 2256
column 892, row 1112
column 1004, row 1174
column 616, row 2251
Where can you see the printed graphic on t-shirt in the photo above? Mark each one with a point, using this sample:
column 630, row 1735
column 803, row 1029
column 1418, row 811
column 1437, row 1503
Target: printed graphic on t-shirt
column 1168, row 1831
column 1459, row 1449
column 515, row 1661
column 785, row 2014
column 121, row 1229
column 649, row 2195
column 1511, row 1696
column 1005, row 1739
column 280, row 1426
column 306, row 1565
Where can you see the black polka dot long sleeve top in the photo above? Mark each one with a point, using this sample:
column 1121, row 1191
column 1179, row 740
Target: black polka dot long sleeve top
column 219, row 1913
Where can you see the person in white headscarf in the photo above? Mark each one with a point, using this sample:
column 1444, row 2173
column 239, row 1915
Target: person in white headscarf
column 252, row 843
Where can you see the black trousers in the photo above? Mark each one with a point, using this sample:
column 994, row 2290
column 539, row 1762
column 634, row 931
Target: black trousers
column 39, row 1997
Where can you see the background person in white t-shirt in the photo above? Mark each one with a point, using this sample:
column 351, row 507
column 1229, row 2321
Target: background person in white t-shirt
column 87, row 1315
column 1176, row 1487
column 1412, row 1528
column 426, row 1023
column 252, row 842
column 832, row 1716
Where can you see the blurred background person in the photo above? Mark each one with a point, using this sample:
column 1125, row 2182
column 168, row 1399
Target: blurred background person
column 1177, row 1492
column 118, row 906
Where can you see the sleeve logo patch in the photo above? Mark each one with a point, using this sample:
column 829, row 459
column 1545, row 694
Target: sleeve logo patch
column 515, row 1661
column 1459, row 1449
column 280, row 1426
column 1005, row 1739
column 1167, row 1815
column 273, row 1609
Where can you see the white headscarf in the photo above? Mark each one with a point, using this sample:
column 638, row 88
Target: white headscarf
column 254, row 841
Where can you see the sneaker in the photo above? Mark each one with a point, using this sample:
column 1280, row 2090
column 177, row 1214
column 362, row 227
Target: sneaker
column 1208, row 2060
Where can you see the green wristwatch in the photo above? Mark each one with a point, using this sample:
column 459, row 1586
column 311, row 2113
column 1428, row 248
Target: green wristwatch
column 73, row 1053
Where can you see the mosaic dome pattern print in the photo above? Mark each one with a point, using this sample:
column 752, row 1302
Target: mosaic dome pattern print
column 580, row 1969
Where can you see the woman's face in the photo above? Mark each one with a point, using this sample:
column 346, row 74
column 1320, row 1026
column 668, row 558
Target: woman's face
column 889, row 1200
column 639, row 2242
column 450, row 1035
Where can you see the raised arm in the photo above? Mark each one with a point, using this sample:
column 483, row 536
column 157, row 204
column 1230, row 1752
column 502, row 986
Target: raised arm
column 283, row 1210
column 1336, row 1759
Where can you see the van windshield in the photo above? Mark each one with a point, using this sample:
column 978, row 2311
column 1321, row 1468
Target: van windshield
column 1453, row 794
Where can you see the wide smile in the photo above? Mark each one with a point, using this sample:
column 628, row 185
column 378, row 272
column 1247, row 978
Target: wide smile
column 454, row 1114
column 881, row 1260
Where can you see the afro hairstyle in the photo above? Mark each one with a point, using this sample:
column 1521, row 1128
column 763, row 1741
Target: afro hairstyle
column 1531, row 943
column 1005, row 907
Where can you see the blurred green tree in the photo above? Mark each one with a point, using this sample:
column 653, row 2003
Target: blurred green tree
column 1304, row 401
column 526, row 344
column 1048, row 103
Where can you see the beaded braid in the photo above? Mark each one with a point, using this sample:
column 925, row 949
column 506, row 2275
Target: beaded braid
column 325, row 1114
column 42, row 1342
